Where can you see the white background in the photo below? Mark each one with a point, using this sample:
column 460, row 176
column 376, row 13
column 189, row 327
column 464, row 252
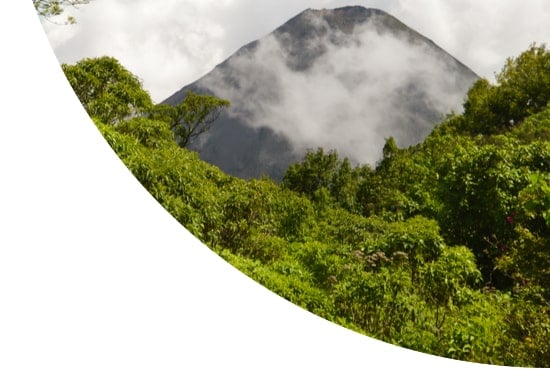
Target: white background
column 95, row 274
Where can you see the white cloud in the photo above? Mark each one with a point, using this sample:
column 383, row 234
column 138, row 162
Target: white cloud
column 170, row 43
column 313, row 109
column 482, row 34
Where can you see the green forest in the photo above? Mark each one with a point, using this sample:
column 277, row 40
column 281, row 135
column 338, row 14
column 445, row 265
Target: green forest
column 443, row 247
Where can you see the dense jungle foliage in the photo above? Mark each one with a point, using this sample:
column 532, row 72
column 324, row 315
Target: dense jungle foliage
column 443, row 247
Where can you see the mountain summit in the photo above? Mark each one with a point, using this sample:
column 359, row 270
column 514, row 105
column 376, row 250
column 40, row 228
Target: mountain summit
column 342, row 79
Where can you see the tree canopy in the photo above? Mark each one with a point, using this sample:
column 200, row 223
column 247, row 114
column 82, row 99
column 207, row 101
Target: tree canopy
column 451, row 235
column 112, row 94
column 108, row 91
column 522, row 89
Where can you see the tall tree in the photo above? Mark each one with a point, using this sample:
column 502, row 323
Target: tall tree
column 108, row 91
column 192, row 117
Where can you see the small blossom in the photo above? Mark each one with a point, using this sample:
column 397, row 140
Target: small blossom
column 358, row 254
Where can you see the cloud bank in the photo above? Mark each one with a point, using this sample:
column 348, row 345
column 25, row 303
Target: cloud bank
column 363, row 88
column 171, row 43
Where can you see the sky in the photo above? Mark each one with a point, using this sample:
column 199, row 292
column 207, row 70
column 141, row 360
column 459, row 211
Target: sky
column 171, row 43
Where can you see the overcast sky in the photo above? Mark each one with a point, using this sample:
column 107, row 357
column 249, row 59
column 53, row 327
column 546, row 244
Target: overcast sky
column 170, row 43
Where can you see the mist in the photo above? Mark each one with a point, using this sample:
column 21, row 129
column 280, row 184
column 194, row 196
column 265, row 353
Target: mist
column 171, row 43
column 360, row 89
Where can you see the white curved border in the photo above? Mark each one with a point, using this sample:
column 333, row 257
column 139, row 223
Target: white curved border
column 94, row 273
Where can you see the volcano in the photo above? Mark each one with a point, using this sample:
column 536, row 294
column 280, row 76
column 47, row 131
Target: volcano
column 342, row 79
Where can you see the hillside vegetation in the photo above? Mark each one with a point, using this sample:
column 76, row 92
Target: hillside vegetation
column 442, row 247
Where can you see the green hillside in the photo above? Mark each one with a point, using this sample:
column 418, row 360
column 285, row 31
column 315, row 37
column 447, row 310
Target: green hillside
column 443, row 247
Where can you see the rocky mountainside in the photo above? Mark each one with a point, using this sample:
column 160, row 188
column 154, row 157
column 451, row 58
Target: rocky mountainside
column 342, row 79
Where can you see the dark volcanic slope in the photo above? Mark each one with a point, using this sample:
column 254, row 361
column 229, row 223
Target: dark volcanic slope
column 341, row 79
